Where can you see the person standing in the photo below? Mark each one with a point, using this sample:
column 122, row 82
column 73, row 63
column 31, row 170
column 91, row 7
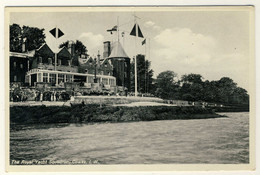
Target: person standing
column 41, row 96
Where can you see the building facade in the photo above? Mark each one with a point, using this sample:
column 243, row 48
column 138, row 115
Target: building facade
column 38, row 67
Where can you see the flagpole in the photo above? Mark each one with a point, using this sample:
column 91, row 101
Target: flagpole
column 136, row 33
column 145, row 67
column 56, row 34
column 117, row 29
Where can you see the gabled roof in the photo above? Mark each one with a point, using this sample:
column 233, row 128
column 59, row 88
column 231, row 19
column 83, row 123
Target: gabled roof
column 118, row 51
column 64, row 52
column 84, row 61
column 106, row 60
column 45, row 50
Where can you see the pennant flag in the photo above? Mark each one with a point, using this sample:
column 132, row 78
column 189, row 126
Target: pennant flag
column 60, row 33
column 140, row 33
column 144, row 42
column 112, row 30
column 133, row 32
column 56, row 34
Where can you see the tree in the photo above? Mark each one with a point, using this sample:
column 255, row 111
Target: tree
column 80, row 48
column 15, row 38
column 144, row 75
column 226, row 87
column 32, row 36
column 192, row 87
column 35, row 37
column 166, row 84
column 192, row 78
column 240, row 96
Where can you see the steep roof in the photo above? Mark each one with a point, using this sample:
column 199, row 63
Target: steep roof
column 44, row 49
column 64, row 53
column 106, row 60
column 118, row 51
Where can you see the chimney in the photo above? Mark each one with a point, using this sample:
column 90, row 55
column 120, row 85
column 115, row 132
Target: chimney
column 23, row 45
column 71, row 48
column 107, row 49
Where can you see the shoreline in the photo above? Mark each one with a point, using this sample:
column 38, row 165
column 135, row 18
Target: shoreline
column 94, row 113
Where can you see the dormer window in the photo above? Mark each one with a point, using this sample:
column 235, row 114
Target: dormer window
column 50, row 60
column 40, row 59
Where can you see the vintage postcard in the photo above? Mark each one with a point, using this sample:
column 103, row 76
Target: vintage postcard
column 130, row 88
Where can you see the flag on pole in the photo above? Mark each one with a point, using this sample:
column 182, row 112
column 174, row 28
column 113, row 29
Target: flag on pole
column 56, row 32
column 133, row 32
column 144, row 41
column 112, row 30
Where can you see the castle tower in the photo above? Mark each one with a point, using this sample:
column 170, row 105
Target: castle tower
column 121, row 65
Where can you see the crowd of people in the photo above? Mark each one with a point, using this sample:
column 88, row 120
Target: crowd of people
column 31, row 94
column 22, row 95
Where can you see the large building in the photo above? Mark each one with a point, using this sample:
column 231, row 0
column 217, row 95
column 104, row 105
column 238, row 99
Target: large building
column 38, row 67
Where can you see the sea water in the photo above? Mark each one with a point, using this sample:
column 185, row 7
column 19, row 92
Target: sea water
column 202, row 141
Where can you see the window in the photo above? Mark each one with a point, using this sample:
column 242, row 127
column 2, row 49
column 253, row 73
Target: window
column 90, row 79
column 102, row 72
column 14, row 64
column 108, row 73
column 105, row 64
column 112, row 82
column 105, row 81
column 21, row 65
column 40, row 59
column 86, row 71
column 15, row 78
column 60, row 78
column 45, row 77
column 39, row 77
column 52, row 78
column 68, row 78
column 50, row 60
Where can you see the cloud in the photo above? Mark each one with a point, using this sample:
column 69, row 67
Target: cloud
column 92, row 41
column 185, row 46
column 185, row 51
column 151, row 24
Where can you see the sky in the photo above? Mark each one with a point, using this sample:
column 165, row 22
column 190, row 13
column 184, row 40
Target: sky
column 212, row 43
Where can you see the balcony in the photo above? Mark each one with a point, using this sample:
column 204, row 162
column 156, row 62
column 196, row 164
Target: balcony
column 58, row 68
